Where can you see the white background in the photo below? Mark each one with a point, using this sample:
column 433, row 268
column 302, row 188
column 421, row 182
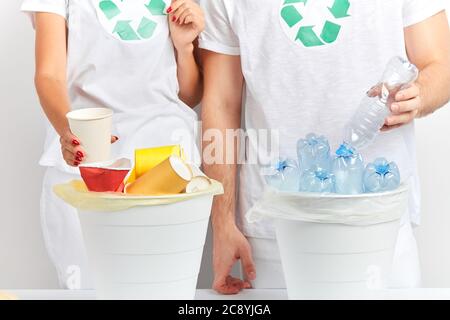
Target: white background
column 23, row 260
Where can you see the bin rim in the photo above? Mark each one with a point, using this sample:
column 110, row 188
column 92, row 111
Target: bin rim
column 367, row 208
column 216, row 188
column 404, row 187
column 76, row 194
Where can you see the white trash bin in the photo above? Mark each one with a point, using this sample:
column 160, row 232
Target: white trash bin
column 147, row 250
column 334, row 246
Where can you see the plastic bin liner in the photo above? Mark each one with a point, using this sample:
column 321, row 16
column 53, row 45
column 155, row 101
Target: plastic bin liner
column 360, row 209
column 76, row 194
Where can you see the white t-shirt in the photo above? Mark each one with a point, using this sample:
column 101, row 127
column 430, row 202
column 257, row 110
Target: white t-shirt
column 307, row 64
column 120, row 56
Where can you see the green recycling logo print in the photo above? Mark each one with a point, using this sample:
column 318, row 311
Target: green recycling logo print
column 313, row 23
column 132, row 20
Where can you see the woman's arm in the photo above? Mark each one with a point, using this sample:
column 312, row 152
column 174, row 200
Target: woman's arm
column 189, row 75
column 50, row 76
column 50, row 80
column 186, row 21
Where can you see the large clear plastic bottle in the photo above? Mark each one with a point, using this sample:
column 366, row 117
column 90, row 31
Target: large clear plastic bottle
column 366, row 123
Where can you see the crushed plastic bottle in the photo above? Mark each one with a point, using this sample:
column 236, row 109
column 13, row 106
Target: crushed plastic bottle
column 381, row 176
column 348, row 168
column 317, row 180
column 370, row 117
column 284, row 175
column 313, row 152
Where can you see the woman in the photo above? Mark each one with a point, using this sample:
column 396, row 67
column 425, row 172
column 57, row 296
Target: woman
column 136, row 57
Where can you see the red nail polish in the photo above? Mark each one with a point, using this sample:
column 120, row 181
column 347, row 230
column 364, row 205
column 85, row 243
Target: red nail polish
column 75, row 142
column 79, row 159
column 76, row 163
column 174, row 19
column 80, row 154
column 169, row 10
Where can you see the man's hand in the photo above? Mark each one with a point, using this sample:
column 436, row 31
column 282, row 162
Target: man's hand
column 428, row 47
column 230, row 245
column 405, row 108
column 405, row 105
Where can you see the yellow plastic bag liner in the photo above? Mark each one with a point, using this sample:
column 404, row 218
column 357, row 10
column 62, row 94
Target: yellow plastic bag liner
column 76, row 194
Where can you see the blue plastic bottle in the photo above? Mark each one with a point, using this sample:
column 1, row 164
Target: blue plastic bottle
column 348, row 169
column 317, row 180
column 284, row 175
column 381, row 176
column 312, row 152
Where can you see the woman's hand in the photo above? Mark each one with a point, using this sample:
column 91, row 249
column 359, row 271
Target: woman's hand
column 186, row 22
column 72, row 149
column 405, row 106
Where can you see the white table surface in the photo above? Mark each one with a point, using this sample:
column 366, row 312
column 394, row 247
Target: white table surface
column 252, row 294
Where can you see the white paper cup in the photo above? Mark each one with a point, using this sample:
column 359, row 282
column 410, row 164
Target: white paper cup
column 93, row 127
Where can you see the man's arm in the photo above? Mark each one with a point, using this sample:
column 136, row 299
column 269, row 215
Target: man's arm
column 221, row 110
column 428, row 47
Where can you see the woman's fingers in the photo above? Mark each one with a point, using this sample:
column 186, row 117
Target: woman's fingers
column 69, row 157
column 71, row 147
column 73, row 156
column 175, row 7
column 195, row 17
column 69, row 139
column 72, row 150
column 185, row 12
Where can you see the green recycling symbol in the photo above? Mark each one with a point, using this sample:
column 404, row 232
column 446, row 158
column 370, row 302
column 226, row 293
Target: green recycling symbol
column 132, row 20
column 301, row 18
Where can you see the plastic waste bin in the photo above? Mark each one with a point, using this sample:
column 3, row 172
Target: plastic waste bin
column 143, row 247
column 334, row 246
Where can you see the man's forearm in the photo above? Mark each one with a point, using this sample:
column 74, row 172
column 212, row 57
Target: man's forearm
column 221, row 111
column 428, row 47
column 434, row 83
column 223, row 211
column 219, row 118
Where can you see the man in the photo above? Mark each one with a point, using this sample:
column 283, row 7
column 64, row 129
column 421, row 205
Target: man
column 306, row 65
